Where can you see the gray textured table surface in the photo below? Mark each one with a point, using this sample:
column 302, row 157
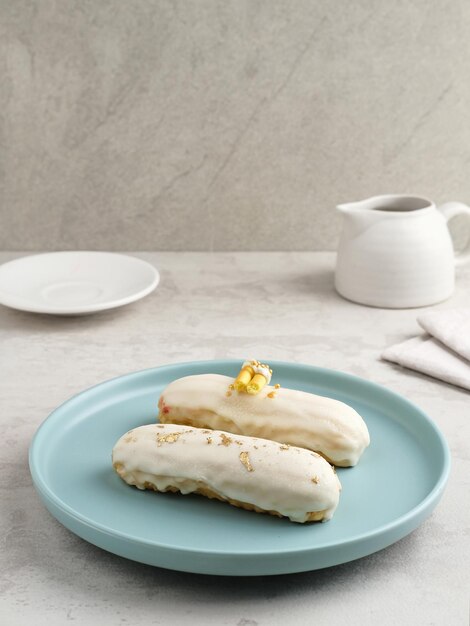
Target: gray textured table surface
column 273, row 305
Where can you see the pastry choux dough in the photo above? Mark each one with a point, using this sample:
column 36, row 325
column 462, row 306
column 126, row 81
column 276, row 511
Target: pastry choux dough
column 297, row 418
column 248, row 472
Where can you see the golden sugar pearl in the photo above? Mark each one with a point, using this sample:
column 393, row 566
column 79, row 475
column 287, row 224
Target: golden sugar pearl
column 277, row 386
column 271, row 394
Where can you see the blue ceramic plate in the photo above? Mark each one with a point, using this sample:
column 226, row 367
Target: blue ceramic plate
column 395, row 486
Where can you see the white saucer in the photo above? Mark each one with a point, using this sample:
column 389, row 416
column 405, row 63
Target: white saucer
column 75, row 283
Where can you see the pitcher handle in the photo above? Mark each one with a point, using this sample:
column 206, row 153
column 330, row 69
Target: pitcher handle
column 451, row 210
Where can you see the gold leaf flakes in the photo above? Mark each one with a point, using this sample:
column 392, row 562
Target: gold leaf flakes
column 160, row 425
column 170, row 438
column 225, row 441
column 245, row 459
column 284, row 447
column 228, row 393
column 315, row 480
column 209, row 439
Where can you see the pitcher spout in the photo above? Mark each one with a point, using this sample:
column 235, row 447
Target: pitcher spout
column 348, row 208
column 358, row 216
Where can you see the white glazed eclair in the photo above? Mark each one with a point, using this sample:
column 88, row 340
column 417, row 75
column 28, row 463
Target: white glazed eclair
column 297, row 418
column 255, row 474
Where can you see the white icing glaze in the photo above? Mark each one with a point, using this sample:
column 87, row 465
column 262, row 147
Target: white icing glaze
column 291, row 481
column 293, row 417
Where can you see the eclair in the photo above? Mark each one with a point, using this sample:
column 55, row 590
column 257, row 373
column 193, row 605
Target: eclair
column 255, row 474
column 297, row 418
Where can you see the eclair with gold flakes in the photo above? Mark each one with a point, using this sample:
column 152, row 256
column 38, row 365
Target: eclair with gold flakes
column 296, row 418
column 254, row 474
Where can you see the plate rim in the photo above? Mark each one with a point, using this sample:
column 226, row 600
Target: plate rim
column 12, row 302
column 425, row 504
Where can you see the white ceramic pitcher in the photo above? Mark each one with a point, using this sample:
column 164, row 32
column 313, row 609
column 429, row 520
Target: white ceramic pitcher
column 396, row 251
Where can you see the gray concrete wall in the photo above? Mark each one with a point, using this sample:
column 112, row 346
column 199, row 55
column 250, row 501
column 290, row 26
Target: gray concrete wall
column 219, row 124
